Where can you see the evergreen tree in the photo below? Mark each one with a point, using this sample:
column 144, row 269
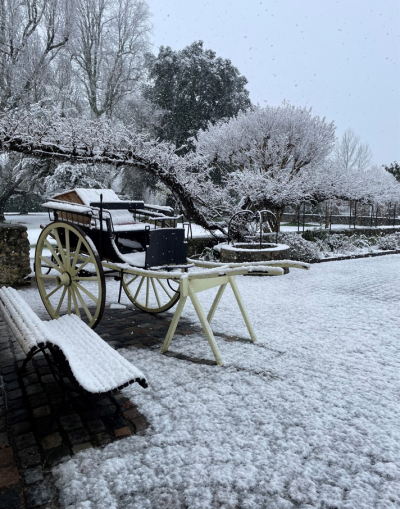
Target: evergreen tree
column 394, row 169
column 194, row 87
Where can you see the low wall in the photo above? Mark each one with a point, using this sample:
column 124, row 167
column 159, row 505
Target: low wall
column 368, row 232
column 14, row 255
column 340, row 219
column 198, row 244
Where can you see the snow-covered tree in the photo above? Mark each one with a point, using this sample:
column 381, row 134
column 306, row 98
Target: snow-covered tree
column 19, row 175
column 45, row 133
column 394, row 169
column 194, row 87
column 108, row 49
column 32, row 33
column 270, row 157
column 282, row 163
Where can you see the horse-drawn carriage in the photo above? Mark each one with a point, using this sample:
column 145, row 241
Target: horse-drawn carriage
column 93, row 235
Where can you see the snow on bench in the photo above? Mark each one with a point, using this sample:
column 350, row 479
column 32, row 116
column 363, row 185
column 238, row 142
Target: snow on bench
column 95, row 365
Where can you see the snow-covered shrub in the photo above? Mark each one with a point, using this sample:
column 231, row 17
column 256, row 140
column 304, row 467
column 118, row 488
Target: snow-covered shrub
column 300, row 249
column 389, row 241
column 338, row 243
column 210, row 254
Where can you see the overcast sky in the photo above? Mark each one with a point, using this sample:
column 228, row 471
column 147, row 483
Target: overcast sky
column 342, row 57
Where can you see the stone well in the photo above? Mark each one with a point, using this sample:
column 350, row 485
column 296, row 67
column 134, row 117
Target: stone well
column 241, row 252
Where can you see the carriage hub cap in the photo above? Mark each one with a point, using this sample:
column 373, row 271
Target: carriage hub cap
column 64, row 279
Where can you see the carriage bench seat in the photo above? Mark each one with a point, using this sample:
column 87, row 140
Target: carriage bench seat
column 77, row 351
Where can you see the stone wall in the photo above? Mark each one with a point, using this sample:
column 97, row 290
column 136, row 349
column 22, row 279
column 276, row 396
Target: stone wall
column 342, row 219
column 368, row 232
column 14, row 255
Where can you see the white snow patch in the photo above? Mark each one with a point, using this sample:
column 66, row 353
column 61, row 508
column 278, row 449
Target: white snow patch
column 306, row 417
column 115, row 305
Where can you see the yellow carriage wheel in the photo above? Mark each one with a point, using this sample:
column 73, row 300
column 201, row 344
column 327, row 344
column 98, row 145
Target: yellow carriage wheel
column 75, row 282
column 151, row 294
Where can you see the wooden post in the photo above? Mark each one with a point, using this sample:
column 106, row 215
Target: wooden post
column 355, row 214
column 350, row 216
column 298, row 218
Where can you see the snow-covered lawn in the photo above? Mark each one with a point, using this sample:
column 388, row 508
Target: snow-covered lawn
column 307, row 417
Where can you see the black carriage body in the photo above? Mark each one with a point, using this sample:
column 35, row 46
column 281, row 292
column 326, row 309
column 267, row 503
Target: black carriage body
column 160, row 245
column 163, row 246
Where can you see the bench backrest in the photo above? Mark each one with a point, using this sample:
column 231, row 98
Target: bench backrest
column 27, row 327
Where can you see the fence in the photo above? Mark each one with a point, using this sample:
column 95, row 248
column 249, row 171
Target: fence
column 355, row 217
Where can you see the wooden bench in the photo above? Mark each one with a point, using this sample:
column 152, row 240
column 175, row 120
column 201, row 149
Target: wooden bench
column 77, row 352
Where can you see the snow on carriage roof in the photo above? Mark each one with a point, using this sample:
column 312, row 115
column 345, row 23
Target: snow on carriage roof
column 93, row 195
column 87, row 196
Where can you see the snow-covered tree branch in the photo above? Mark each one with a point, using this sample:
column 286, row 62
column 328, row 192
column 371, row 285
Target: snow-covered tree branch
column 45, row 134
column 270, row 158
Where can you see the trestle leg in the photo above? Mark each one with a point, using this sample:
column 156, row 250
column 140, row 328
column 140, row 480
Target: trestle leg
column 174, row 323
column 216, row 302
column 242, row 309
column 206, row 327
column 189, row 288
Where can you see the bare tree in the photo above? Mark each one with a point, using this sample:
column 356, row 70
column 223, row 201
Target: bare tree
column 350, row 154
column 63, row 90
column 108, row 49
column 32, row 32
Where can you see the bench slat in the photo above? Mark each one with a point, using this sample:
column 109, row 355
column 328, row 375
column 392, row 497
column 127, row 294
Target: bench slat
column 96, row 366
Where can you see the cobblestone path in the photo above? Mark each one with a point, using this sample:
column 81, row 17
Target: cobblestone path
column 27, row 451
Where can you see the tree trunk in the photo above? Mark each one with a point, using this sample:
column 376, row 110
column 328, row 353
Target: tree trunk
column 24, row 208
column 278, row 214
column 2, row 210
column 328, row 214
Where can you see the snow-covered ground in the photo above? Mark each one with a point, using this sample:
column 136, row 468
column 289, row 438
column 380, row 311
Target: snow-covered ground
column 306, row 417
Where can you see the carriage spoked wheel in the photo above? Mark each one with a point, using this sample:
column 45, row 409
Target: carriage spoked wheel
column 75, row 283
column 151, row 294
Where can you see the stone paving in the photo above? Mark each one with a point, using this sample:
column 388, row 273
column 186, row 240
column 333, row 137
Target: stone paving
column 27, row 450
